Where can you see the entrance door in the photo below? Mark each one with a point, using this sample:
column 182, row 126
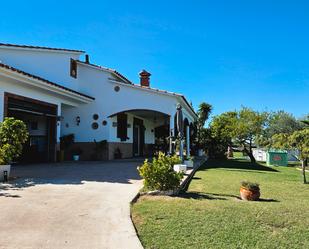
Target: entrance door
column 138, row 137
column 136, row 140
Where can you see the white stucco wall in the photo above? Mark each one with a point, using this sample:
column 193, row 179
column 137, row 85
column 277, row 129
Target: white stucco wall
column 51, row 65
column 16, row 87
column 55, row 66
column 107, row 102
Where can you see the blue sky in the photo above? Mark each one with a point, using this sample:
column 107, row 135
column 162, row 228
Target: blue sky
column 227, row 53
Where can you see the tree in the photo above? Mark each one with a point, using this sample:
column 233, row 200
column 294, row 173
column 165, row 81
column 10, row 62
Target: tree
column 241, row 128
column 13, row 133
column 278, row 122
column 216, row 145
column 282, row 122
column 298, row 140
column 203, row 115
column 306, row 120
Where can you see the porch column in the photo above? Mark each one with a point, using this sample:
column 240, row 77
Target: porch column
column 188, row 139
column 58, row 122
column 1, row 106
column 58, row 132
column 171, row 133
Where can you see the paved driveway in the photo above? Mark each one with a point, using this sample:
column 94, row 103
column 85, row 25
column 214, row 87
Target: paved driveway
column 73, row 205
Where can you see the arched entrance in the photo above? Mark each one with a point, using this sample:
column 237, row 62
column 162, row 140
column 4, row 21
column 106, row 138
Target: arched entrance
column 139, row 132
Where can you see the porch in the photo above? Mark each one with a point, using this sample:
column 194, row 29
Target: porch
column 144, row 132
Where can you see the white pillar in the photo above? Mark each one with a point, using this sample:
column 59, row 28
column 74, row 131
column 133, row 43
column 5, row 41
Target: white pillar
column 188, row 140
column 1, row 106
column 59, row 123
column 181, row 150
column 171, row 133
column 172, row 125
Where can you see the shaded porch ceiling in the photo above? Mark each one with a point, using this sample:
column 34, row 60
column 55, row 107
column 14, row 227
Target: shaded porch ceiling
column 143, row 113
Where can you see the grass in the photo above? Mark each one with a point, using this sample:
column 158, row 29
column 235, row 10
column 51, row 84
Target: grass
column 210, row 214
column 237, row 154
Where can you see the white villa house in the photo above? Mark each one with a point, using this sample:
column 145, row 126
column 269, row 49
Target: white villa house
column 56, row 93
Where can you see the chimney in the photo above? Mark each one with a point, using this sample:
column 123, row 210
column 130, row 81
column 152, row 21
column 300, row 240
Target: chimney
column 87, row 58
column 144, row 77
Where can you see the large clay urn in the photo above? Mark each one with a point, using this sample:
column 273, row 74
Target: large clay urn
column 250, row 193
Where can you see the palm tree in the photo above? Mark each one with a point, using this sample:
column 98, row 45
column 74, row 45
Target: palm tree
column 203, row 113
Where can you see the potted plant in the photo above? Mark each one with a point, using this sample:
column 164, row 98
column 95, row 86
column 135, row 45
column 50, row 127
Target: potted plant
column 249, row 191
column 65, row 143
column 76, row 152
column 117, row 153
column 13, row 133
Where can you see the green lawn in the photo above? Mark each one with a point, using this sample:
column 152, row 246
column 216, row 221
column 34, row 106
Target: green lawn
column 210, row 215
column 238, row 155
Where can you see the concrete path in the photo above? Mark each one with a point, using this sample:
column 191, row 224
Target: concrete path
column 81, row 205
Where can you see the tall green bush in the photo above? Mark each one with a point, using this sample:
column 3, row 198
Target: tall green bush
column 13, row 133
column 159, row 174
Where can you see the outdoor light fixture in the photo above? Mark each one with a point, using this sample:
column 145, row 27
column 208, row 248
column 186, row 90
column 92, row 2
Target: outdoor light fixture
column 60, row 118
column 77, row 120
column 5, row 176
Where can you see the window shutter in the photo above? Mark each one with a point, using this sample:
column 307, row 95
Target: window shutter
column 122, row 127
column 73, row 68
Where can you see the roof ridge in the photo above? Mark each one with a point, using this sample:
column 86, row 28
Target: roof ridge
column 40, row 47
column 96, row 65
column 44, row 80
column 108, row 69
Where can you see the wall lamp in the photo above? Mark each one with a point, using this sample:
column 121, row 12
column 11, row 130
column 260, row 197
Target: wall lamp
column 77, row 120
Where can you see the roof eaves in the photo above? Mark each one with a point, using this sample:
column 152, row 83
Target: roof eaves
column 40, row 47
column 188, row 104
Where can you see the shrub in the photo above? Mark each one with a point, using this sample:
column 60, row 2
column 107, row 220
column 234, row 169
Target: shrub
column 251, row 186
column 159, row 174
column 13, row 133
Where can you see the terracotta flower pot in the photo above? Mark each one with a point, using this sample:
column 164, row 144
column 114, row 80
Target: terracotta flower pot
column 249, row 195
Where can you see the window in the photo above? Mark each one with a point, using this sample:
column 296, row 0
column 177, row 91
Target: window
column 122, row 130
column 73, row 68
